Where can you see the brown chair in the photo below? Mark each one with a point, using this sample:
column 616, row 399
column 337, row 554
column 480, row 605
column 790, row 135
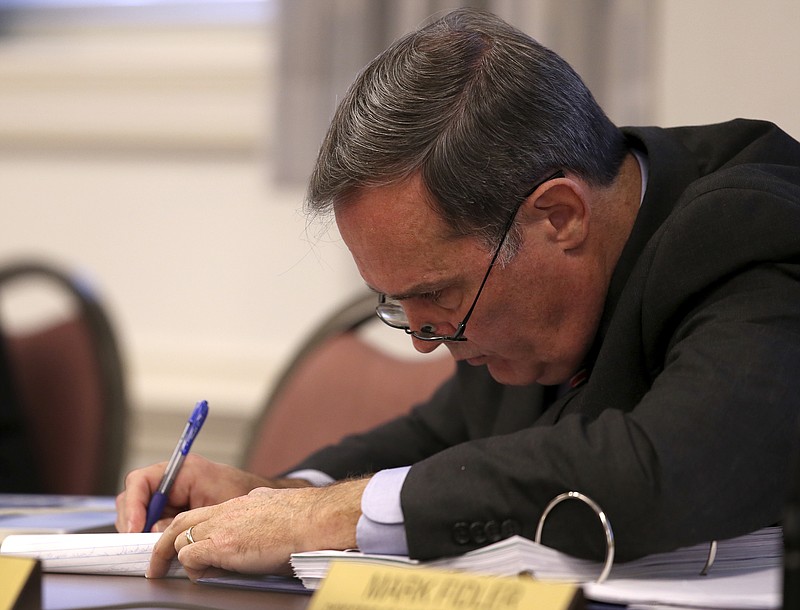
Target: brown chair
column 341, row 381
column 67, row 374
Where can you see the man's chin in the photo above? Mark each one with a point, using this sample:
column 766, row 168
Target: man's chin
column 503, row 373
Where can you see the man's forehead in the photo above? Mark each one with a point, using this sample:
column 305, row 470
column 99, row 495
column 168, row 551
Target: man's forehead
column 397, row 216
column 407, row 200
column 399, row 243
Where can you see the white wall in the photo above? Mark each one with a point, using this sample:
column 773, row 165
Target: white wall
column 143, row 156
column 722, row 59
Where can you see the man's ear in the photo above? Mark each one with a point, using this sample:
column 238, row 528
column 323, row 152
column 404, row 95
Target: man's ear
column 563, row 208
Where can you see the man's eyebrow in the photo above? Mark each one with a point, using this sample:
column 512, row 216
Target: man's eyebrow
column 414, row 291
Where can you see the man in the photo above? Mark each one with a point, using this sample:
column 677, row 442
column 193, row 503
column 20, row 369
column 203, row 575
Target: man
column 624, row 307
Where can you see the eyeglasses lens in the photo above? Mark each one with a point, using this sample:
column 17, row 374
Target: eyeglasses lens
column 392, row 313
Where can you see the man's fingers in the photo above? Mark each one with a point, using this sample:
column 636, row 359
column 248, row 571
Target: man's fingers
column 174, row 539
column 166, row 548
column 132, row 502
column 197, row 558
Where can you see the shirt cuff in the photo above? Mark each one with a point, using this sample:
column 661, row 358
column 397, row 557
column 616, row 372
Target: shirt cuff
column 381, row 527
column 316, row 477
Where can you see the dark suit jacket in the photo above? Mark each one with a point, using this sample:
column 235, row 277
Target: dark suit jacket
column 684, row 430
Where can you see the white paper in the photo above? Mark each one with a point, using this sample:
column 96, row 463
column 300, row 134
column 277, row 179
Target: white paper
column 746, row 573
column 112, row 553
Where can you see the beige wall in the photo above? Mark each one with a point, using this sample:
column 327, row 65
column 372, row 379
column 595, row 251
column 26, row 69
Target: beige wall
column 145, row 158
column 720, row 59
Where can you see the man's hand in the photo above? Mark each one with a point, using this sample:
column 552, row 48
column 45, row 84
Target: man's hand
column 256, row 533
column 200, row 482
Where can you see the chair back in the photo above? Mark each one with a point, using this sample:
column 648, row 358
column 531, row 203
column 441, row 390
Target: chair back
column 68, row 378
column 341, row 381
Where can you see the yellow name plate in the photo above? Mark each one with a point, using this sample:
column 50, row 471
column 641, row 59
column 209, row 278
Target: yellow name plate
column 353, row 586
column 20, row 583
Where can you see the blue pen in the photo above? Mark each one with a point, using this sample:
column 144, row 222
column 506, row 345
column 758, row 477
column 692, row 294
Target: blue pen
column 159, row 499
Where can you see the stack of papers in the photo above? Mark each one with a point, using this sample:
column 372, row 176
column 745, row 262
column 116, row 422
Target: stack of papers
column 746, row 572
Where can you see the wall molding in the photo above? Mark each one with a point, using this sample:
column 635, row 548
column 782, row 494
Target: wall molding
column 183, row 90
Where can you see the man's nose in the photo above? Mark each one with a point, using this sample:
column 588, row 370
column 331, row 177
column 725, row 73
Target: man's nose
column 427, row 319
column 424, row 347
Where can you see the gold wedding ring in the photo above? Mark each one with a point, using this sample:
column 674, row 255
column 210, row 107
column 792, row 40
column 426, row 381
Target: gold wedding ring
column 189, row 536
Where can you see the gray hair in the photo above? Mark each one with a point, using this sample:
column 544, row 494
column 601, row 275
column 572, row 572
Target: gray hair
column 478, row 108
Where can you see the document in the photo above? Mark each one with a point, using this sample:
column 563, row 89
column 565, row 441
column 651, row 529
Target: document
column 104, row 553
column 55, row 514
column 746, row 572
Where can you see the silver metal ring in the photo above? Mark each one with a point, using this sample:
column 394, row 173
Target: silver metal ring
column 712, row 555
column 189, row 536
column 574, row 495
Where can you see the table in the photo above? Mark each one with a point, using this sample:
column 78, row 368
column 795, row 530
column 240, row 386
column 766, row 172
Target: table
column 75, row 591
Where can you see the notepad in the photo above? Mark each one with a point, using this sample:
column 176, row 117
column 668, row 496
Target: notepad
column 107, row 553
column 746, row 572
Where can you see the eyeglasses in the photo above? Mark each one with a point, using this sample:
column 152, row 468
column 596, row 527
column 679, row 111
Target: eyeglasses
column 391, row 312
